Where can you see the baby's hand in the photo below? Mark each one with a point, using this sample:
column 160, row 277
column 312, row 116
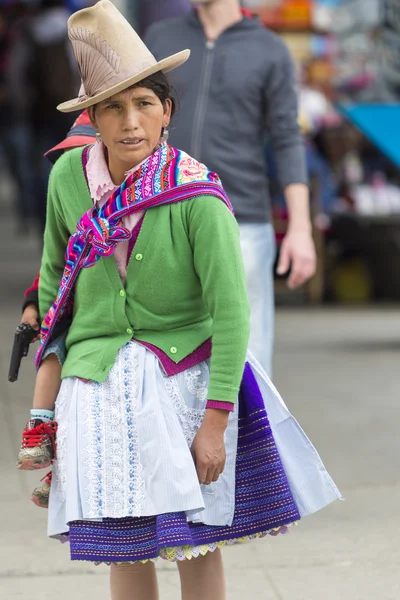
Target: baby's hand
column 31, row 316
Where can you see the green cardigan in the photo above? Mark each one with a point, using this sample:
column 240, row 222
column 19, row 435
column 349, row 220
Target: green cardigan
column 185, row 283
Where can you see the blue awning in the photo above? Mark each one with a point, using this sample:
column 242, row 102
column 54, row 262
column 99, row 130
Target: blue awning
column 380, row 123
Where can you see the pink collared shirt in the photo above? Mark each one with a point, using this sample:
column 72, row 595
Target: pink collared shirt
column 101, row 186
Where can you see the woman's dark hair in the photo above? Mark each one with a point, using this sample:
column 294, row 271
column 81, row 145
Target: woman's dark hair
column 159, row 84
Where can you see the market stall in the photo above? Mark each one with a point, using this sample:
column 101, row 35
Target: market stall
column 365, row 230
column 348, row 57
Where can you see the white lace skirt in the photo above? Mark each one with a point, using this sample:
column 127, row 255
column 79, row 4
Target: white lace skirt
column 100, row 470
column 123, row 447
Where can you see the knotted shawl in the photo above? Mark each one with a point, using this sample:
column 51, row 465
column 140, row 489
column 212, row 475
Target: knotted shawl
column 168, row 176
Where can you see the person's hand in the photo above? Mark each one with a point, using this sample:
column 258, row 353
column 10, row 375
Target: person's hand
column 208, row 447
column 298, row 253
column 31, row 316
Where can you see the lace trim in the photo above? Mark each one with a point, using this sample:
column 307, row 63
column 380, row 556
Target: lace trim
column 114, row 428
column 98, row 175
column 94, row 452
column 190, row 418
column 180, row 553
column 196, row 388
column 60, row 464
column 131, row 391
column 114, row 471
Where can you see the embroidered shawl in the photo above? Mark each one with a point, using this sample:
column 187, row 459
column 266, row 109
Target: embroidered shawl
column 168, row 176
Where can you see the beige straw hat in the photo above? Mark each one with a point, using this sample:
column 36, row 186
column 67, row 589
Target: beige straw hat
column 110, row 55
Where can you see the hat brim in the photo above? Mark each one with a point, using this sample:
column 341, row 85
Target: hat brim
column 74, row 141
column 165, row 65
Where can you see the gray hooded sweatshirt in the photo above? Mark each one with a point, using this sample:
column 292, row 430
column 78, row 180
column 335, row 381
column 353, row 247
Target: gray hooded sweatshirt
column 232, row 92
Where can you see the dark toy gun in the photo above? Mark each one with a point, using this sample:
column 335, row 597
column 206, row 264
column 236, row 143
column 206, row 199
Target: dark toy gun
column 24, row 334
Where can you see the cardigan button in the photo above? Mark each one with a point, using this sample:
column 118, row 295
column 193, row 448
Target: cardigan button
column 173, row 350
column 139, row 256
column 122, row 293
column 129, row 331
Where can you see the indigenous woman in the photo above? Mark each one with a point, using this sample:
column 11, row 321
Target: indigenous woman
column 171, row 441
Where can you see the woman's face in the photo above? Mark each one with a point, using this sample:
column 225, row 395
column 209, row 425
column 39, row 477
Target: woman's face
column 130, row 125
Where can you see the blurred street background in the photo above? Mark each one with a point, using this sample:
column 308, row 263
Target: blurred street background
column 347, row 56
column 337, row 350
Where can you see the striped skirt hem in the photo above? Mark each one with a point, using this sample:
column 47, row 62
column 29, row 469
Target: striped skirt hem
column 186, row 552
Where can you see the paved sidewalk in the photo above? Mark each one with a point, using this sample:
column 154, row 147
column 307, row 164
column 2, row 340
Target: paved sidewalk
column 339, row 372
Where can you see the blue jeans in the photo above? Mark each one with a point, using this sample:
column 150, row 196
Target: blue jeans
column 259, row 249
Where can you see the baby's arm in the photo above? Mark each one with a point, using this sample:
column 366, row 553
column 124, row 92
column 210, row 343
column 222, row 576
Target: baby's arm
column 48, row 379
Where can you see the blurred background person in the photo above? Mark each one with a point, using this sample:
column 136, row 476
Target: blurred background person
column 15, row 138
column 239, row 85
column 316, row 113
column 41, row 73
column 152, row 11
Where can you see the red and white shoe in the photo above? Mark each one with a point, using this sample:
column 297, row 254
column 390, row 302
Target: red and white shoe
column 38, row 446
column 41, row 494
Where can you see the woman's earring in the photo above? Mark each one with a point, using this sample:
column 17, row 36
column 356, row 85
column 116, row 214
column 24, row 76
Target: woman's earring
column 165, row 135
column 98, row 136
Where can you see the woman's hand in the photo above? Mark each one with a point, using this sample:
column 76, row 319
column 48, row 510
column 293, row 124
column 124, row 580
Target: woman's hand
column 208, row 447
column 31, row 316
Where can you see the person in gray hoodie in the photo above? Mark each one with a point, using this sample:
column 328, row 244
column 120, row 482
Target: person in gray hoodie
column 238, row 87
column 150, row 11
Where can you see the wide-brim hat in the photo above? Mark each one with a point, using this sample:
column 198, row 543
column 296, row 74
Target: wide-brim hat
column 110, row 55
column 81, row 133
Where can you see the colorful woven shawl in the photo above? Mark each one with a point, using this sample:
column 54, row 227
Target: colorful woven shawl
column 166, row 177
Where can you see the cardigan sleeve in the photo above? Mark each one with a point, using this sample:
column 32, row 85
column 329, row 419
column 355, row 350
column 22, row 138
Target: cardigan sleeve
column 56, row 237
column 214, row 237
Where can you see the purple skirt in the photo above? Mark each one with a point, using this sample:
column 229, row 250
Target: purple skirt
column 263, row 502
